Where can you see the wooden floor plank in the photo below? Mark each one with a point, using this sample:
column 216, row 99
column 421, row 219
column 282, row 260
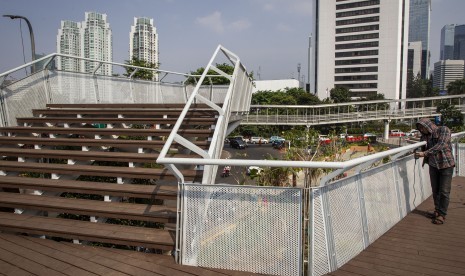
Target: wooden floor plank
column 9, row 269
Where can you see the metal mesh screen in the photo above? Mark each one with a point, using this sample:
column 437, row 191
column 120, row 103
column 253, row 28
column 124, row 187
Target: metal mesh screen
column 381, row 203
column 318, row 248
column 461, row 158
column 256, row 229
column 346, row 220
column 23, row 96
column 71, row 87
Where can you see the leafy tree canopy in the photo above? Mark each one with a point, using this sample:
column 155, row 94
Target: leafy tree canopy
column 340, row 95
column 456, row 87
column 227, row 68
column 141, row 73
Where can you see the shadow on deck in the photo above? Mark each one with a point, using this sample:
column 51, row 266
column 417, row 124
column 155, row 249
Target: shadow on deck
column 415, row 246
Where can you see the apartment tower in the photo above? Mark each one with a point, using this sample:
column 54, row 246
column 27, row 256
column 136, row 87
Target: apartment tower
column 91, row 39
column 361, row 45
column 143, row 41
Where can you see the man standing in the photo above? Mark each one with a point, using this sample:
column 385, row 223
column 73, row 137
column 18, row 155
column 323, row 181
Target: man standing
column 438, row 154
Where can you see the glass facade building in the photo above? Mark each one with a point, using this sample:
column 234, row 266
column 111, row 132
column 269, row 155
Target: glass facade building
column 419, row 30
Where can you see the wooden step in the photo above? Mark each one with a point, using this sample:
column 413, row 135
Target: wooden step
column 130, row 105
column 88, row 187
column 110, row 171
column 86, row 155
column 123, row 112
column 117, row 143
column 108, row 131
column 96, row 120
column 118, row 210
column 87, row 231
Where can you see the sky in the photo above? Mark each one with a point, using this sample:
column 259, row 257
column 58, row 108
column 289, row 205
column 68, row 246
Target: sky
column 269, row 36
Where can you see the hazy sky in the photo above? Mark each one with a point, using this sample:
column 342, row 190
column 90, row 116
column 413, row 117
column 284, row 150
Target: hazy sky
column 268, row 34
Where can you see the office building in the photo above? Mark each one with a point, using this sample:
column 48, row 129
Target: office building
column 419, row 30
column 447, row 71
column 91, row 39
column 447, row 42
column 362, row 46
column 143, row 41
column 415, row 54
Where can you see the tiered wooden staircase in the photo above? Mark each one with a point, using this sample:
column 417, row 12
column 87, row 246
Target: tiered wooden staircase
column 87, row 172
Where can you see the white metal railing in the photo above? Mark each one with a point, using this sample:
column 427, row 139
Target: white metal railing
column 344, row 216
column 48, row 85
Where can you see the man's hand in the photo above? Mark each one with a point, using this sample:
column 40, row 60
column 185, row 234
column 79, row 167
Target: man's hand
column 419, row 154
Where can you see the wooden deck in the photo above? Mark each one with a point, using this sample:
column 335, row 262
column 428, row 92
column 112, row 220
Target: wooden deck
column 21, row 255
column 415, row 246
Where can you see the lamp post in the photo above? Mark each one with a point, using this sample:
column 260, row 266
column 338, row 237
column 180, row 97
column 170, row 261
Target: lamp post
column 31, row 34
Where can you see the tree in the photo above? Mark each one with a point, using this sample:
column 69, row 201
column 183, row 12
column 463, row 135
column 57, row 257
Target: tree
column 228, row 69
column 450, row 115
column 141, row 73
column 302, row 97
column 456, row 87
column 340, row 95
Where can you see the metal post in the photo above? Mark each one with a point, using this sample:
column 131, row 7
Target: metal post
column 31, row 35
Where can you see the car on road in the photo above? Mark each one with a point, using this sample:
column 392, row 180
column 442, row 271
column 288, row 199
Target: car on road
column 276, row 138
column 278, row 144
column 258, row 140
column 237, row 144
column 413, row 133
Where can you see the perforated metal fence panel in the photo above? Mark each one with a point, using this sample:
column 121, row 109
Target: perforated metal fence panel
column 256, row 229
column 23, row 96
column 351, row 213
column 461, row 160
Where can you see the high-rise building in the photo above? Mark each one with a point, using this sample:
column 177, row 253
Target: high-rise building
column 447, row 42
column 415, row 51
column 447, row 71
column 362, row 46
column 143, row 40
column 459, row 42
column 91, row 39
column 419, row 30
column 69, row 43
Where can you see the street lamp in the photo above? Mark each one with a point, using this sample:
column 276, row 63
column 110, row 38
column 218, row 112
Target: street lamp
column 31, row 34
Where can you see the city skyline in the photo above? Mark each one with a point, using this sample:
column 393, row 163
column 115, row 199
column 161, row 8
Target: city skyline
column 268, row 35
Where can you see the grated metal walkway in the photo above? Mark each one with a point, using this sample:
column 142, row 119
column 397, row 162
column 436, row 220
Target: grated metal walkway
column 415, row 246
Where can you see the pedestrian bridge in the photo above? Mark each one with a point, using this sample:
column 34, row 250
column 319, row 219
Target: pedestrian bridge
column 57, row 126
column 362, row 111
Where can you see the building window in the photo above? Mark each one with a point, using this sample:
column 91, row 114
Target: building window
column 357, row 53
column 357, row 21
column 357, row 37
column 357, row 29
column 357, row 5
column 357, row 85
column 357, row 61
column 356, row 69
column 357, row 45
column 357, row 13
column 356, row 78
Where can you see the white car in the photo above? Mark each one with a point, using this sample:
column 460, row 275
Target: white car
column 258, row 140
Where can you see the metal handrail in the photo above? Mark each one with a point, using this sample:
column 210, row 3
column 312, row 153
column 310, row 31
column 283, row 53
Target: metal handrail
column 53, row 55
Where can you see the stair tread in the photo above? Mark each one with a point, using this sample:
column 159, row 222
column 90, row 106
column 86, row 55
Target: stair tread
column 84, row 230
column 147, row 212
column 130, row 190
